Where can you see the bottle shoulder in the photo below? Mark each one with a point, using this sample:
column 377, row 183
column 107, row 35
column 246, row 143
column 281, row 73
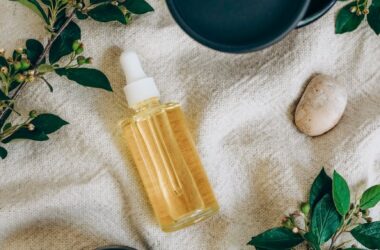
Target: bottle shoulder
column 157, row 109
column 149, row 112
column 171, row 105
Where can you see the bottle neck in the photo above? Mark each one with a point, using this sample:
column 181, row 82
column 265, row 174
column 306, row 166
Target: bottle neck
column 147, row 104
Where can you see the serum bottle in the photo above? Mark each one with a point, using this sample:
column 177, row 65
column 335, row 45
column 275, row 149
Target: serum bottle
column 164, row 153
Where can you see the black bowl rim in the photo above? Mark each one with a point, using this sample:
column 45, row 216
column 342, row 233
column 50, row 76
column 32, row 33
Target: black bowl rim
column 232, row 48
column 311, row 19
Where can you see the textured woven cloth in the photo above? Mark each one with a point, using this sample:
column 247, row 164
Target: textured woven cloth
column 80, row 189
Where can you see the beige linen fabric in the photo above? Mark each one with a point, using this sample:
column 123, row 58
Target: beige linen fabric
column 80, row 190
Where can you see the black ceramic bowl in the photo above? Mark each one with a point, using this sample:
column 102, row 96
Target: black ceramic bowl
column 317, row 9
column 239, row 26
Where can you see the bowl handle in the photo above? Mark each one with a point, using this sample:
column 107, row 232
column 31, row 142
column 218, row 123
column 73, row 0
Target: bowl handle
column 308, row 19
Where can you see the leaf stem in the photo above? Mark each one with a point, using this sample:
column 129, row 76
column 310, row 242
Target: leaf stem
column 343, row 228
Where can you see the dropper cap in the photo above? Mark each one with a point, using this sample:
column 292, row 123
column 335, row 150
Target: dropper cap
column 139, row 87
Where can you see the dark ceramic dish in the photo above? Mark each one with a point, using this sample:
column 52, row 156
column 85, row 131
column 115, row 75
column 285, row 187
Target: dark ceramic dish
column 244, row 25
column 316, row 10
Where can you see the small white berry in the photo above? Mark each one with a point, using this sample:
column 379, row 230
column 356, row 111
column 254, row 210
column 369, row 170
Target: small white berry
column 31, row 127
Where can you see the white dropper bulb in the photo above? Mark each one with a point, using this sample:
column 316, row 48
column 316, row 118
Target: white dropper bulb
column 132, row 66
column 139, row 87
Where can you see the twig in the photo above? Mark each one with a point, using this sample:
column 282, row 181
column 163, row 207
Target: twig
column 50, row 43
column 39, row 60
column 342, row 229
column 47, row 83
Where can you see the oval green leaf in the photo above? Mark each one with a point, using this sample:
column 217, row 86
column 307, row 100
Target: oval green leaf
column 48, row 123
column 322, row 185
column 98, row 1
column 3, row 62
column 107, row 13
column 373, row 17
column 48, row 2
column 346, row 21
column 312, row 240
column 3, row 97
column 354, row 248
column 325, row 219
column 376, row 3
column 341, row 194
column 276, row 238
column 86, row 77
column 3, row 153
column 370, row 197
column 35, row 7
column 33, row 50
column 368, row 234
column 24, row 133
column 137, row 6
column 80, row 15
column 62, row 46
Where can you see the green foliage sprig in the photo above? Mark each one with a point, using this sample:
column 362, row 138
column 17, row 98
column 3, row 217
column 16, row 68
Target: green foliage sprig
column 327, row 216
column 62, row 54
column 352, row 15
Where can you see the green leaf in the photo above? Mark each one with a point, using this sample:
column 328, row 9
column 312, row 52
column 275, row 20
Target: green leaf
column 276, row 238
column 3, row 153
column 47, row 2
column 312, row 240
column 368, row 234
column 24, row 133
column 325, row 219
column 137, row 6
column 35, row 7
column 346, row 21
column 3, row 97
column 370, row 197
column 373, row 17
column 354, row 248
column 34, row 49
column 86, row 77
column 3, row 62
column 98, row 1
column 62, row 46
column 322, row 185
column 80, row 15
column 48, row 123
column 107, row 13
column 341, row 194
column 376, row 3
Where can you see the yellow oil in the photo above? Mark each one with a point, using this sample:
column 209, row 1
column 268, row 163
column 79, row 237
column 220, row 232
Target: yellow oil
column 169, row 165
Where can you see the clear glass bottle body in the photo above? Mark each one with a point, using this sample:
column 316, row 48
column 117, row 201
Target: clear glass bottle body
column 169, row 165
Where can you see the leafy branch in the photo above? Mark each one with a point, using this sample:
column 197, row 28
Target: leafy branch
column 327, row 216
column 352, row 15
column 62, row 55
